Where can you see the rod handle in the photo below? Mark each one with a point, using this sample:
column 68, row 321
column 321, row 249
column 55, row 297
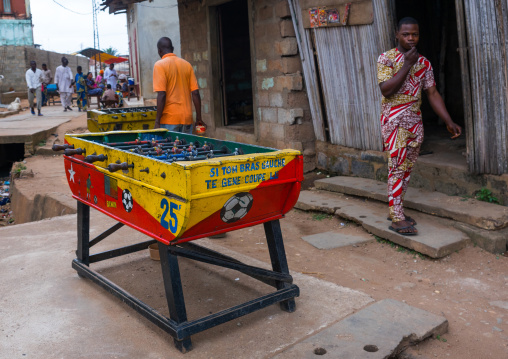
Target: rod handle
column 72, row 152
column 61, row 147
column 95, row 158
column 113, row 167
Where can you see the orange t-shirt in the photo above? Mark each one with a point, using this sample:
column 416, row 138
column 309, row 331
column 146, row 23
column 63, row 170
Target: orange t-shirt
column 175, row 76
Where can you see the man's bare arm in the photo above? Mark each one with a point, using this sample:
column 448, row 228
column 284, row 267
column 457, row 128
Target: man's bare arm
column 161, row 102
column 196, row 99
column 391, row 86
column 438, row 105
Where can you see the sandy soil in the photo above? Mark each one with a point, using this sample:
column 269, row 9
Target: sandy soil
column 458, row 287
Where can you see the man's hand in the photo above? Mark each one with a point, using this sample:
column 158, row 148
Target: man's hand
column 454, row 129
column 411, row 57
column 32, row 90
column 199, row 122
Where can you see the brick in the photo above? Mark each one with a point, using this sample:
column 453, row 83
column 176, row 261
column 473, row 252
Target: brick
column 291, row 64
column 265, row 13
column 261, row 65
column 270, row 131
column 282, row 9
column 297, row 99
column 302, row 133
column 293, row 82
column 269, row 114
column 263, row 99
column 290, row 116
column 287, row 47
column 275, row 65
column 276, row 99
column 287, row 29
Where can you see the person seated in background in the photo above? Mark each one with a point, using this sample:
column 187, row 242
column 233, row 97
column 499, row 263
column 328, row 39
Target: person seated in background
column 92, row 89
column 124, row 85
column 100, row 80
column 120, row 95
column 110, row 98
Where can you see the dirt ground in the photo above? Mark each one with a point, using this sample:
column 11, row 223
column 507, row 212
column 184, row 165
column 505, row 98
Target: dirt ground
column 459, row 287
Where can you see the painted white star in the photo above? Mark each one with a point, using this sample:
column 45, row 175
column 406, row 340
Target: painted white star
column 71, row 174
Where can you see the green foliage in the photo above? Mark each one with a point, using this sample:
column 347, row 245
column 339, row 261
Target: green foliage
column 400, row 249
column 42, row 143
column 19, row 167
column 485, row 195
column 111, row 51
column 320, row 216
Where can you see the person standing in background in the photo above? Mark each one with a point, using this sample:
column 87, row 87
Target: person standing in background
column 34, row 82
column 47, row 77
column 63, row 78
column 111, row 76
column 81, row 89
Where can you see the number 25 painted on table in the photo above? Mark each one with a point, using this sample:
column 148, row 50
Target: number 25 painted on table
column 172, row 225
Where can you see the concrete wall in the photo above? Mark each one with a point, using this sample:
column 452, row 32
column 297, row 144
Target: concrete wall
column 282, row 117
column 16, row 60
column 16, row 32
column 147, row 22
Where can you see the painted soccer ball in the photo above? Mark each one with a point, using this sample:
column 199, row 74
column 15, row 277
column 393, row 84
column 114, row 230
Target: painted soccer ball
column 236, row 207
column 127, row 200
column 200, row 129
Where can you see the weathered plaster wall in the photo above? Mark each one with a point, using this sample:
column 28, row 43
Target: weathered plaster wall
column 147, row 23
column 16, row 32
column 282, row 117
column 16, row 60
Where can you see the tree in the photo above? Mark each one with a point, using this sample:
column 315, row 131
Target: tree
column 111, row 51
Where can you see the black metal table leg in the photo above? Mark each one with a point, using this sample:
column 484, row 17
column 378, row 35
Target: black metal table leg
column 174, row 293
column 278, row 258
column 83, row 252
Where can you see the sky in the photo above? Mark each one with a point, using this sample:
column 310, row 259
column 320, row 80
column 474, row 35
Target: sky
column 64, row 31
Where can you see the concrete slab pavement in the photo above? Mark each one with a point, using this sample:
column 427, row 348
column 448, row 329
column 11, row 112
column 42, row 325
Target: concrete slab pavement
column 46, row 310
column 379, row 331
column 329, row 240
column 466, row 210
column 27, row 128
column 435, row 238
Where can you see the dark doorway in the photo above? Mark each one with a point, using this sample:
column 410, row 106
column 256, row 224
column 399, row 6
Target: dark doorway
column 236, row 76
column 439, row 44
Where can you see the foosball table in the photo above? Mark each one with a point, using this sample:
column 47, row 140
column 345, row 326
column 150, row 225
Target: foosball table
column 176, row 188
column 122, row 119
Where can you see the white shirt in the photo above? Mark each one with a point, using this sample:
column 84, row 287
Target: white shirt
column 63, row 78
column 33, row 79
column 111, row 80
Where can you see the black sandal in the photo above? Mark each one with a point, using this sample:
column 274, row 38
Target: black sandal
column 409, row 219
column 398, row 230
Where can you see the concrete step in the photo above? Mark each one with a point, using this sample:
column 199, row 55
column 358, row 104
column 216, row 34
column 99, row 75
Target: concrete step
column 436, row 238
column 466, row 210
column 382, row 330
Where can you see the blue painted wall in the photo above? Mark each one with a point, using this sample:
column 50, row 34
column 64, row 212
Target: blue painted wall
column 16, row 32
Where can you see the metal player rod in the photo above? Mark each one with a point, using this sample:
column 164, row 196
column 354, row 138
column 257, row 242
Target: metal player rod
column 138, row 142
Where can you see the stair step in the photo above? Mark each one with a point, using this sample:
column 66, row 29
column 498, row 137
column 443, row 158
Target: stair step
column 466, row 210
column 436, row 238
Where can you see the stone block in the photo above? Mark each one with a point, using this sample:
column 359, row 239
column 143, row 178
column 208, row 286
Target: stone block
column 291, row 64
column 286, row 28
column 263, row 99
column 362, row 169
column 303, row 132
column 261, row 65
column 276, row 99
column 290, row 116
column 269, row 114
column 287, row 47
column 275, row 65
column 270, row 131
column 373, row 156
column 293, row 82
column 265, row 13
column 295, row 146
column 322, row 160
column 330, row 240
column 338, row 165
column 282, row 9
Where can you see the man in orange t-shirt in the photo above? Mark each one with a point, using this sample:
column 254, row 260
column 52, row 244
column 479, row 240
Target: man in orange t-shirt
column 175, row 84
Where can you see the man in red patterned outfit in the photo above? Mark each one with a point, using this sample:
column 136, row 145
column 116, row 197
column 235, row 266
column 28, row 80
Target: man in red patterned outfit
column 402, row 75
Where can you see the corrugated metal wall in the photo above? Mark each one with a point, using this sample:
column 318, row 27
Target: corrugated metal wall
column 347, row 69
column 486, row 26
